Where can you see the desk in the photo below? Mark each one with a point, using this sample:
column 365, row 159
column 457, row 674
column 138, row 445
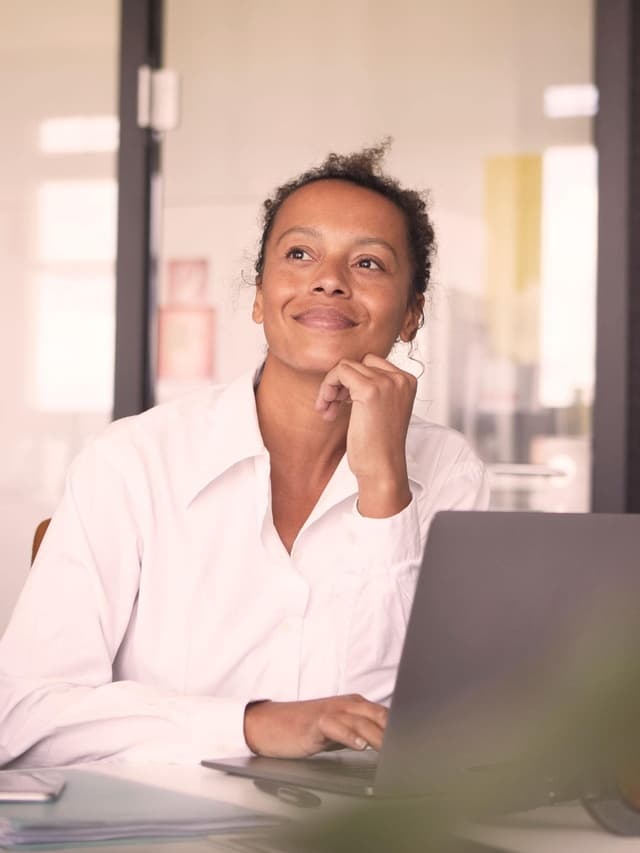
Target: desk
column 564, row 828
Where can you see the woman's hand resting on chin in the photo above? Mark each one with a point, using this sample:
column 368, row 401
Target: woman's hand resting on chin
column 381, row 397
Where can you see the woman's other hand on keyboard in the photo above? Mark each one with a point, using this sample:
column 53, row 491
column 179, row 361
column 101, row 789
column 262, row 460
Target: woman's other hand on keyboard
column 298, row 729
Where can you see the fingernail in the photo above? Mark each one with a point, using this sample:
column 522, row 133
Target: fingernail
column 360, row 743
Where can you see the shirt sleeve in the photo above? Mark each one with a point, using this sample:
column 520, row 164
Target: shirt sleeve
column 385, row 544
column 376, row 588
column 58, row 703
column 465, row 486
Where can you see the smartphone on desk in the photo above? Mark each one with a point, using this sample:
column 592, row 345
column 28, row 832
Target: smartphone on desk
column 22, row 786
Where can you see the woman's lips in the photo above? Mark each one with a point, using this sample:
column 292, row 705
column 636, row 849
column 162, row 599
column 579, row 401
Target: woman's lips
column 324, row 318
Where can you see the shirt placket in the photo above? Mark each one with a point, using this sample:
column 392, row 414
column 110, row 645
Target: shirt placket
column 289, row 593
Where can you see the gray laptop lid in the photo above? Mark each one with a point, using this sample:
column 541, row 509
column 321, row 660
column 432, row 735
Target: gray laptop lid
column 514, row 614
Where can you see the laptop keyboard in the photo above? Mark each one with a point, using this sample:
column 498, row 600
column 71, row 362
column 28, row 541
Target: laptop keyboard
column 361, row 766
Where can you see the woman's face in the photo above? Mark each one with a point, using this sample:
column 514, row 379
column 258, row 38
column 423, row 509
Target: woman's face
column 336, row 278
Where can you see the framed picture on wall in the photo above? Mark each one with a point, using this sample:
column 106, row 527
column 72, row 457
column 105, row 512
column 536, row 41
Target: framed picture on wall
column 186, row 343
column 187, row 281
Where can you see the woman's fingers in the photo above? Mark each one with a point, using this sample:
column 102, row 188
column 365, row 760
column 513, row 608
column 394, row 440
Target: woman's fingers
column 349, row 381
column 379, row 363
column 335, row 395
column 351, row 730
column 357, row 704
column 335, row 385
column 354, row 722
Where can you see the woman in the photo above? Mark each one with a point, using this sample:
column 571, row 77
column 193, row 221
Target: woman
column 219, row 564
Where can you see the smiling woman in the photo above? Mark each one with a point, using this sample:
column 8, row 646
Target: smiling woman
column 261, row 539
column 337, row 261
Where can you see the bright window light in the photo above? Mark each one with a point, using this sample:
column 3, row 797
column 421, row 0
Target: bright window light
column 75, row 343
column 79, row 135
column 77, row 221
column 570, row 101
column 569, row 248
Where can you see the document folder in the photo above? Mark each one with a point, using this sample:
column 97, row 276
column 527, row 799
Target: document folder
column 97, row 807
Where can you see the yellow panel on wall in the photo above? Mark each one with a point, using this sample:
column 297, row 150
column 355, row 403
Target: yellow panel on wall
column 513, row 210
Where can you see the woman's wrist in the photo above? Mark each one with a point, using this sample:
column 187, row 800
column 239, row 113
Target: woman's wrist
column 380, row 498
column 251, row 724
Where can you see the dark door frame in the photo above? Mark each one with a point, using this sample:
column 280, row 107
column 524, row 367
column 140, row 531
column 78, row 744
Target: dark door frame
column 141, row 39
column 616, row 411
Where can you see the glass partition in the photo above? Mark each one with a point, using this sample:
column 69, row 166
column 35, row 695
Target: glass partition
column 490, row 108
column 58, row 66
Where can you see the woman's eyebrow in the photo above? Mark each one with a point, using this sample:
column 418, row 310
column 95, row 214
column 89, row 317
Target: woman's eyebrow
column 299, row 229
column 379, row 241
column 362, row 241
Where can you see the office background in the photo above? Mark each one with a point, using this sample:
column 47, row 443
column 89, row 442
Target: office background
column 119, row 243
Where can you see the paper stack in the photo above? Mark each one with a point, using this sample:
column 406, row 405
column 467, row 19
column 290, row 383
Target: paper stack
column 96, row 807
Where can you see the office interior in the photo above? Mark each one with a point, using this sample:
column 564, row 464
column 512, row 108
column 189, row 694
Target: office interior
column 490, row 106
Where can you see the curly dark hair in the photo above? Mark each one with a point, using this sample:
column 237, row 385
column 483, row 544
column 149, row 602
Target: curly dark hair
column 364, row 168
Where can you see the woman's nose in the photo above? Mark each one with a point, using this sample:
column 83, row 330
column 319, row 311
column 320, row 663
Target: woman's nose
column 331, row 280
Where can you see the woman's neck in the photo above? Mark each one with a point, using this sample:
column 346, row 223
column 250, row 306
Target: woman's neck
column 291, row 427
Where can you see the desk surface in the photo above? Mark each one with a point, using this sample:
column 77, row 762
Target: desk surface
column 564, row 828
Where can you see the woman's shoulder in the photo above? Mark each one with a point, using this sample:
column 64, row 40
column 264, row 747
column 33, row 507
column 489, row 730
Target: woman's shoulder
column 432, row 445
column 162, row 420
column 170, row 432
column 443, row 462
column 423, row 433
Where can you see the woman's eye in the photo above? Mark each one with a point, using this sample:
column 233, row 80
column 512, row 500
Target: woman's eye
column 369, row 264
column 298, row 254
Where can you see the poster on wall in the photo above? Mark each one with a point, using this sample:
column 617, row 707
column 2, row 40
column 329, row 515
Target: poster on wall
column 186, row 324
column 187, row 281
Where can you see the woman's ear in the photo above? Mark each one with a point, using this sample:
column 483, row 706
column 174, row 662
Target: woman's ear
column 413, row 319
column 257, row 312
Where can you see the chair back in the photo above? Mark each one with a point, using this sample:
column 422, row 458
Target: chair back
column 38, row 536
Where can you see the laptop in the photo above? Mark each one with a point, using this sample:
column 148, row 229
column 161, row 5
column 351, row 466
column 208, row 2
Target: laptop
column 513, row 615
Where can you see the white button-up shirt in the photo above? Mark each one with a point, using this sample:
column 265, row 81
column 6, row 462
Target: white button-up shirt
column 162, row 600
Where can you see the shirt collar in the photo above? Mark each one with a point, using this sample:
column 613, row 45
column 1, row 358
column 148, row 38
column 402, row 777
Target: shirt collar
column 229, row 432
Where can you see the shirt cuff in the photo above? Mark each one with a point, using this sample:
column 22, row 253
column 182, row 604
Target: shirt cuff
column 386, row 544
column 217, row 728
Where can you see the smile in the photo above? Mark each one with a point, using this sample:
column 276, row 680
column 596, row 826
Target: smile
column 329, row 319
